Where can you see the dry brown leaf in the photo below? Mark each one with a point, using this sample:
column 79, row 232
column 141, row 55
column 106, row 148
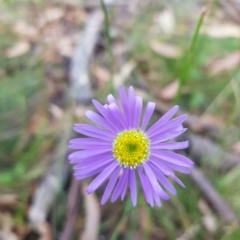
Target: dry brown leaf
column 220, row 30
column 101, row 74
column 227, row 63
column 165, row 50
column 170, row 91
column 45, row 231
column 166, row 21
column 92, row 220
column 236, row 147
column 209, row 221
column 8, row 200
column 50, row 15
column 124, row 73
column 7, row 224
column 17, row 50
column 25, row 29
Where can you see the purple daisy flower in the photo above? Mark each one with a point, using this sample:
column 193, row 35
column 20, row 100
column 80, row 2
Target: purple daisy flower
column 120, row 148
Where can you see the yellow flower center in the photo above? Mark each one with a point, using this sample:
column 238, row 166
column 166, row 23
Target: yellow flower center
column 131, row 148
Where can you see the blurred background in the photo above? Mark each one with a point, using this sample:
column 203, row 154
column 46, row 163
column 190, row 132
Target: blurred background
column 55, row 56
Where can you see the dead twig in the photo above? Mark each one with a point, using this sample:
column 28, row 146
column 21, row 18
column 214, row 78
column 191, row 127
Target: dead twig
column 72, row 209
column 212, row 195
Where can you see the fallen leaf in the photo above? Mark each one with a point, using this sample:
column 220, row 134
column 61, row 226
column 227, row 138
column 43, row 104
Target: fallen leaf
column 92, row 220
column 170, row 91
column 166, row 50
column 8, row 200
column 166, row 21
column 17, row 50
column 124, row 73
column 50, row 15
column 101, row 74
column 45, row 231
column 236, row 147
column 25, row 29
column 225, row 64
column 220, row 30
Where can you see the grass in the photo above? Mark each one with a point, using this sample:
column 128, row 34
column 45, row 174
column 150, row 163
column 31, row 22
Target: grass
column 26, row 141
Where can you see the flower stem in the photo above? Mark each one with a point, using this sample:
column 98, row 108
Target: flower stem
column 109, row 45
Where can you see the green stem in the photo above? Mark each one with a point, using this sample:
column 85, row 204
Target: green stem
column 109, row 46
column 188, row 58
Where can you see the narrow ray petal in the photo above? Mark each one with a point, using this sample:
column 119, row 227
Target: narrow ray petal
column 148, row 114
column 154, row 183
column 118, row 115
column 110, row 185
column 101, row 178
column 166, row 117
column 157, row 199
column 89, row 167
column 96, row 118
column 172, row 157
column 166, row 136
column 95, row 132
column 147, row 190
column 171, row 145
column 88, row 153
column 137, row 113
column 177, row 168
column 106, row 114
column 120, row 185
column 79, row 175
column 168, row 126
column 131, row 105
column 163, row 180
column 111, row 99
column 124, row 102
column 133, row 187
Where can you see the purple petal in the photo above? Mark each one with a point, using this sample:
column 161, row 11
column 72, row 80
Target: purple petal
column 106, row 114
column 164, row 137
column 177, row 168
column 154, row 183
column 131, row 105
column 171, row 145
column 168, row 126
column 157, row 199
column 96, row 118
column 133, row 187
column 163, row 180
column 110, row 185
column 95, row 132
column 172, row 157
column 118, row 115
column 79, row 155
column 92, row 160
column 120, row 185
column 137, row 112
column 147, row 190
column 124, row 189
column 147, row 115
column 124, row 102
column 111, row 99
column 88, row 143
column 79, row 175
column 101, row 178
column 176, row 179
column 161, row 165
column 86, row 167
column 165, row 118
column 97, row 157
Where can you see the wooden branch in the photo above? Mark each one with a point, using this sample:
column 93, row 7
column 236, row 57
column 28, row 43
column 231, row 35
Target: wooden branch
column 52, row 183
column 72, row 209
column 213, row 196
